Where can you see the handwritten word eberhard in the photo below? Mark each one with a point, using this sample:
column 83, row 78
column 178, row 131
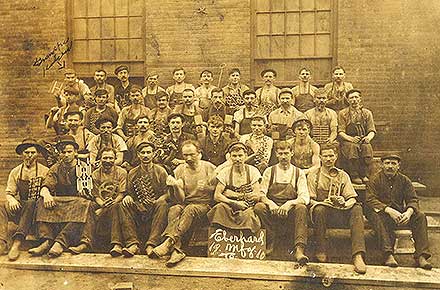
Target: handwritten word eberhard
column 54, row 56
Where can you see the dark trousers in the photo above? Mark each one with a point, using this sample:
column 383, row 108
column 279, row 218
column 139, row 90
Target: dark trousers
column 384, row 227
column 180, row 219
column 23, row 218
column 70, row 233
column 352, row 218
column 296, row 221
column 127, row 221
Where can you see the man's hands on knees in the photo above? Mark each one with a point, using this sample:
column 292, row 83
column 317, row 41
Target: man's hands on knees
column 13, row 204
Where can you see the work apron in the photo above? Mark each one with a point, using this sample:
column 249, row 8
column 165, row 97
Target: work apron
column 321, row 128
column 150, row 100
column 304, row 102
column 302, row 158
column 175, row 99
column 282, row 192
column 245, row 124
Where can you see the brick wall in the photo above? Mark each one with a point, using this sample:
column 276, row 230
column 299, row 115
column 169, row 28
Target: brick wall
column 390, row 51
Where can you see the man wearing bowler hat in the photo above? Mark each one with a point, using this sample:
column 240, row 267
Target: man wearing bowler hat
column 22, row 191
column 393, row 203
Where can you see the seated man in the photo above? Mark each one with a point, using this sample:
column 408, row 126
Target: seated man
column 81, row 134
column 337, row 90
column 129, row 114
column 159, row 115
column 109, row 187
column 324, row 120
column 143, row 134
column 305, row 151
column 193, row 188
column 236, row 193
column 22, row 191
column 281, row 120
column 100, row 111
column 356, row 130
column 214, row 145
column 393, row 203
column 202, row 93
column 144, row 205
column 106, row 139
column 304, row 92
column 260, row 144
column 64, row 216
column 216, row 106
column 243, row 116
column 284, row 201
column 189, row 110
column 333, row 200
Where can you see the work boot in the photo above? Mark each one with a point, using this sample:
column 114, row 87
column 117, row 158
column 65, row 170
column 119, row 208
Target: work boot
column 321, row 257
column 357, row 180
column 116, row 251
column 391, row 262
column 365, row 179
column 56, row 250
column 81, row 248
column 359, row 264
column 176, row 257
column 163, row 249
column 130, row 251
column 423, row 263
column 149, row 251
column 300, row 257
column 14, row 252
column 3, row 247
column 41, row 249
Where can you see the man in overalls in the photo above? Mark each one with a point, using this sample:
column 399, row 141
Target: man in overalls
column 234, row 90
column 243, row 117
column 175, row 91
column 22, row 191
column 267, row 95
column 304, row 92
column 122, row 89
column 151, row 90
column 144, row 134
column 202, row 94
column 64, row 214
column 101, row 110
column 337, row 90
column 216, row 106
column 281, row 120
column 356, row 130
column 333, row 201
column 128, row 115
column 324, row 120
column 285, row 199
column 189, row 110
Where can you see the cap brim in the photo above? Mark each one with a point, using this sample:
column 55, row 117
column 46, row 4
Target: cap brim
column 20, row 148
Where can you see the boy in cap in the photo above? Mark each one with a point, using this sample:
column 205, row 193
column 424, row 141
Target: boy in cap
column 22, row 191
column 122, row 89
column 101, row 110
column 392, row 202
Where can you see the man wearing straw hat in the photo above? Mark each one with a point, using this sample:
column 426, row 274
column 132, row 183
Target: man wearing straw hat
column 22, row 190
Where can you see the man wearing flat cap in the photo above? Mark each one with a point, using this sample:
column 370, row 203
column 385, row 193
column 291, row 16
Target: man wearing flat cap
column 144, row 206
column 64, row 216
column 122, row 89
column 393, row 203
column 100, row 78
column 100, row 111
column 22, row 191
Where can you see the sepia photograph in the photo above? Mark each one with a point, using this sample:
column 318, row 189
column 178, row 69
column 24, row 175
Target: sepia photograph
column 219, row 144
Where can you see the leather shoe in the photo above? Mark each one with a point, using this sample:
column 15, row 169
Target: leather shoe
column 81, row 248
column 357, row 180
column 3, row 247
column 130, row 251
column 163, row 249
column 14, row 252
column 116, row 251
column 40, row 250
column 300, row 257
column 56, row 250
column 359, row 264
column 176, row 257
column 321, row 257
column 423, row 263
column 390, row 261
column 149, row 251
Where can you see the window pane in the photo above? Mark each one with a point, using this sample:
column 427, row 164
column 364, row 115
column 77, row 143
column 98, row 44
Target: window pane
column 136, row 7
column 292, row 46
column 323, row 4
column 121, row 7
column 79, row 28
column 323, row 45
column 263, row 44
column 136, row 49
column 278, row 5
column 121, row 27
column 307, row 4
column 278, row 46
column 292, row 23
column 108, row 49
column 135, row 27
column 80, row 50
column 93, row 8
column 292, row 5
column 277, row 23
column 108, row 28
column 263, row 5
column 107, row 8
column 263, row 24
column 122, row 49
column 323, row 22
column 94, row 27
column 307, row 22
column 79, row 8
column 94, row 50
column 307, row 45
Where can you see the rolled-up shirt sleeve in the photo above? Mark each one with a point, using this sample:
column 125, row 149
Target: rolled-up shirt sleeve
column 303, row 191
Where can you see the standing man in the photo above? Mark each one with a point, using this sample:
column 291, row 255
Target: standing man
column 203, row 93
column 304, row 92
column 333, row 200
column 193, row 186
column 324, row 120
column 234, row 90
column 393, row 203
column 122, row 89
column 244, row 115
column 64, row 216
column 285, row 197
column 268, row 94
column 144, row 204
column 101, row 110
column 100, row 78
column 356, row 130
column 337, row 90
column 151, row 90
column 176, row 91
column 22, row 191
